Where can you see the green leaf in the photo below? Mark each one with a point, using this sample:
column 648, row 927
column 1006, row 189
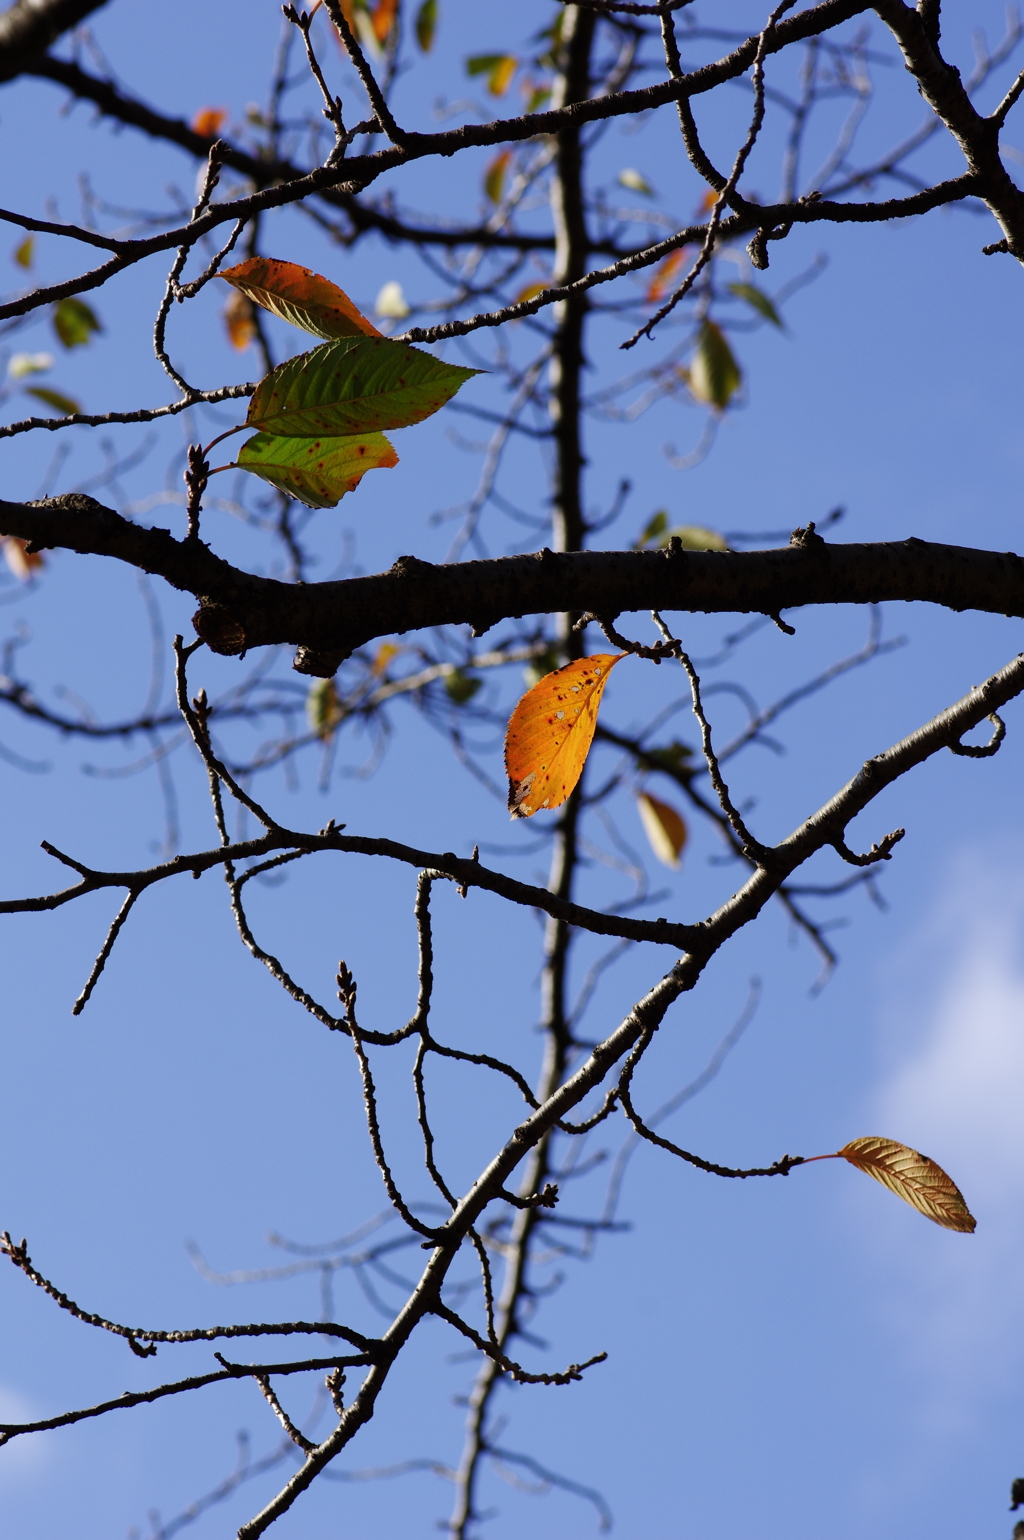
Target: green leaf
column 671, row 758
column 23, row 252
column 316, row 471
column 656, row 526
column 74, row 322
column 758, row 301
column 715, row 376
column 460, row 687
column 66, row 405
column 426, row 24
column 694, row 537
column 494, row 176
column 324, row 710
column 353, row 385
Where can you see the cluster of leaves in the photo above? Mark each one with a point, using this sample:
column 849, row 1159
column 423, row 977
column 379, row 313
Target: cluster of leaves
column 320, row 418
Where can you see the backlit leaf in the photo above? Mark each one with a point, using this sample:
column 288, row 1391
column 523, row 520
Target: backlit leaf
column 74, row 322
column 316, row 471
column 707, row 202
column 23, row 253
column 758, row 300
column 715, row 376
column 550, row 733
column 21, row 364
column 426, row 24
column 536, row 97
column 391, row 301
column 912, row 1177
column 355, row 385
column 20, row 559
column 382, row 19
column 238, row 319
column 655, row 526
column 635, row 181
column 664, row 828
column 66, row 405
column 208, row 121
column 300, row 297
column 694, row 537
column 323, row 708
column 494, row 176
column 664, row 276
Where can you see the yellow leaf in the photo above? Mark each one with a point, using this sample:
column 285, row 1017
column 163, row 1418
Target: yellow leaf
column 912, row 1177
column 385, row 653
column 208, row 121
column 299, row 296
column 494, row 176
column 500, row 77
column 694, row 537
column 426, row 24
column 531, row 291
column 23, row 252
column 20, row 559
column 664, row 828
column 238, row 318
column 550, row 733
column 635, row 181
column 664, row 276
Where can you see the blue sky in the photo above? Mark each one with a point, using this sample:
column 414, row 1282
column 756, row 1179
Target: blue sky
column 792, row 1358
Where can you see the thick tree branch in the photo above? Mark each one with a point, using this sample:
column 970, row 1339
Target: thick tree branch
column 30, row 26
column 239, row 610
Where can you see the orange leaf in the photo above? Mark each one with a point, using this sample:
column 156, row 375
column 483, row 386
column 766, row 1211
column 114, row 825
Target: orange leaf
column 531, row 291
column 208, row 121
column 664, row 276
column 385, row 653
column 20, row 559
column 382, row 19
column 300, row 296
column 664, row 828
column 550, row 733
column 912, row 1177
column 238, row 318
column 707, row 202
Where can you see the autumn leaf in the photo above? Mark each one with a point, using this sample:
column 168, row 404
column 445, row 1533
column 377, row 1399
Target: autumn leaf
column 664, row 827
column 299, row 296
column 208, row 121
column 354, row 385
column 635, row 181
column 316, row 471
column 24, row 251
column 707, row 202
column 664, row 276
column 239, row 321
column 715, row 376
column 531, row 291
column 494, row 176
column 20, row 559
column 912, row 1177
column 498, row 67
column 385, row 654
column 550, row 733
column 426, row 24
column 74, row 322
column 382, row 19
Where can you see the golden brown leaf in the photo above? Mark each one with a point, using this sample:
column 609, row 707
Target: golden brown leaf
column 550, row 733
column 238, row 318
column 299, row 296
column 912, row 1177
column 494, row 176
column 664, row 276
column 664, row 827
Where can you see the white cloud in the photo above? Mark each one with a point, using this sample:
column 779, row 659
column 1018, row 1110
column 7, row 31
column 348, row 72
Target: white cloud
column 23, row 1458
column 955, row 1089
